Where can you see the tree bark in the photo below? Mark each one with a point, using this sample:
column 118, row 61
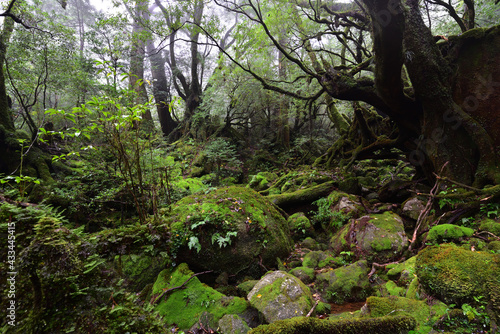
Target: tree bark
column 137, row 54
column 161, row 90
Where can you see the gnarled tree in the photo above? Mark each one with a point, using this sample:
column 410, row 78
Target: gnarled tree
column 440, row 93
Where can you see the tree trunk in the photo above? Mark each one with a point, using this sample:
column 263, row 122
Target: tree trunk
column 137, row 54
column 443, row 131
column 161, row 90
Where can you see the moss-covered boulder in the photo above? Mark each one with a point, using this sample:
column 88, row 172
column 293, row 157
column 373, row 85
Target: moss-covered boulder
column 490, row 225
column 448, row 233
column 377, row 237
column 279, row 295
column 457, row 276
column 403, row 273
column 302, row 325
column 305, row 274
column 312, row 259
column 346, row 203
column 233, row 230
column 424, row 313
column 412, row 208
column 233, row 324
column 343, row 284
column 183, row 307
column 300, row 226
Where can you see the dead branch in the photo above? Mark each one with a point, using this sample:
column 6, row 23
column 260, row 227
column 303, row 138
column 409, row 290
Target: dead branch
column 312, row 309
column 381, row 266
column 423, row 214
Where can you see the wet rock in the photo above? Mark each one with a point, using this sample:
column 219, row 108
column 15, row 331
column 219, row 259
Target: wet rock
column 279, row 295
column 343, row 284
column 232, row 324
column 232, row 229
column 377, row 238
column 412, row 208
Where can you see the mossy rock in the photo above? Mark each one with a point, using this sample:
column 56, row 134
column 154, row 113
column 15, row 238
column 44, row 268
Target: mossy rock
column 350, row 185
column 343, row 284
column 302, row 325
column 448, row 232
column 377, row 237
column 494, row 246
column 140, row 269
column 262, row 180
column 300, row 226
column 232, row 229
column 395, row 191
column 420, row 310
column 247, row 286
column 456, row 275
column 346, row 203
column 491, row 226
column 312, row 259
column 394, row 290
column 305, row 274
column 310, row 243
column 402, row 273
column 412, row 208
column 233, row 324
column 280, row 295
column 184, row 307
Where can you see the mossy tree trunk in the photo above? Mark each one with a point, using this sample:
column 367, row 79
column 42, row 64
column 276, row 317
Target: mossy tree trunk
column 10, row 147
column 451, row 113
column 8, row 144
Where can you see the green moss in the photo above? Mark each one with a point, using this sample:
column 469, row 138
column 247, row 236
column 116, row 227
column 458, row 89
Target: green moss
column 423, row 313
column 248, row 225
column 189, row 185
column 448, row 232
column 310, row 243
column 299, row 225
column 456, row 275
column 262, row 180
column 494, row 246
column 279, row 295
column 231, row 323
column 140, row 269
column 345, row 284
column 413, row 289
column 404, row 272
column 394, row 290
column 312, row 259
column 247, row 286
column 378, row 237
column 305, row 274
column 183, row 307
column 491, row 226
column 379, row 245
column 301, row 325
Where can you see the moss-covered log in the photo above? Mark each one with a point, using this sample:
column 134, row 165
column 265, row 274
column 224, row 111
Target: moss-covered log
column 302, row 196
column 300, row 325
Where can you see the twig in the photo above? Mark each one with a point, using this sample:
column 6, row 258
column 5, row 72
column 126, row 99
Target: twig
column 486, row 232
column 312, row 309
column 381, row 266
column 179, row 287
column 445, row 179
column 423, row 214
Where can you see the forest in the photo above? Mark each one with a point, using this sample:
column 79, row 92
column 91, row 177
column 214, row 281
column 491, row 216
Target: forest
column 246, row 166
